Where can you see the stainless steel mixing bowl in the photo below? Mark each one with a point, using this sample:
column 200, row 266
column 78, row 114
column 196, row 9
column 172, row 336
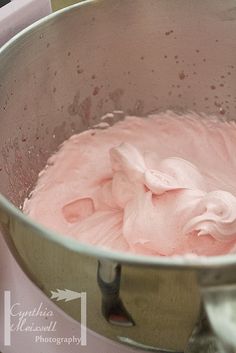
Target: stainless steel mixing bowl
column 59, row 77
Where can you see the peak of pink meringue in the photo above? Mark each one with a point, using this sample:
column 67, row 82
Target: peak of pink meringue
column 158, row 186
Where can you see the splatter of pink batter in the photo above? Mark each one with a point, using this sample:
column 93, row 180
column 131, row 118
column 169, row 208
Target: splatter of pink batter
column 162, row 185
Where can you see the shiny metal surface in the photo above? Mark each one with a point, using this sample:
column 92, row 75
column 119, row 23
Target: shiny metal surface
column 59, row 77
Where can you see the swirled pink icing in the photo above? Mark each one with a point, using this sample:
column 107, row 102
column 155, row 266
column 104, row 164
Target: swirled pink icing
column 164, row 185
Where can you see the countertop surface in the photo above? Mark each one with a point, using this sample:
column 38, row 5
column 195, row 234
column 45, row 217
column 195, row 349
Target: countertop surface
column 59, row 4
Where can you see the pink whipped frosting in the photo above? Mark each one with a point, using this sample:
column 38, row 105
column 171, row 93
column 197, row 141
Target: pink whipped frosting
column 163, row 185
